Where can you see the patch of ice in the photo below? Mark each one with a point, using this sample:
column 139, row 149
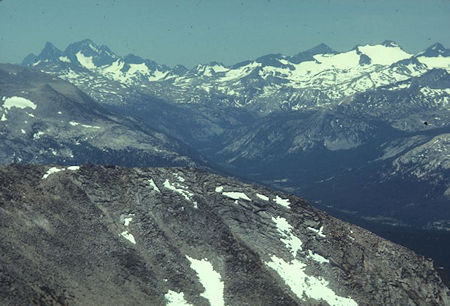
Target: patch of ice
column 56, row 169
column 85, row 61
column 64, row 59
column 291, row 241
column 185, row 193
column 304, row 285
column 73, row 168
column 18, row 102
column 219, row 189
column 317, row 257
column 127, row 220
column 210, row 280
column 236, row 195
column 152, row 183
column 175, row 299
column 128, row 236
column 436, row 62
column 319, row 232
column 282, row 202
column 262, row 197
column 51, row 171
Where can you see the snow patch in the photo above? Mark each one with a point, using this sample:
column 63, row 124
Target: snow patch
column 64, row 59
column 210, row 280
column 317, row 257
column 153, row 185
column 262, row 197
column 85, row 61
column 128, row 236
column 291, row 241
column 185, row 193
column 175, row 299
column 319, row 232
column 301, row 284
column 282, row 202
column 53, row 170
column 219, row 189
column 236, row 195
column 18, row 102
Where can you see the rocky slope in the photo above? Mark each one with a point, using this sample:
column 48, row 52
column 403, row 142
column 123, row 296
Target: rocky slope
column 178, row 236
column 47, row 120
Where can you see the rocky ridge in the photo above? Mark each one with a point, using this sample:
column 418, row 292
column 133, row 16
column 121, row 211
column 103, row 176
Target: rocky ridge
column 102, row 235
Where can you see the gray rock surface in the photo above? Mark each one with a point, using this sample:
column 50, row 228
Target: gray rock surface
column 117, row 236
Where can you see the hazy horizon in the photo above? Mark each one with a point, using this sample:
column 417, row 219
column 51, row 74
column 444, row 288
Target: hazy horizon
column 194, row 32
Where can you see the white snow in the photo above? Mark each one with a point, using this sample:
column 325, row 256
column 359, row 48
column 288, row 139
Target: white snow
column 73, row 168
column 282, row 202
column 179, row 177
column 210, row 279
column 85, row 61
column 128, row 236
column 236, row 195
column 157, row 75
column 185, row 193
column 291, row 241
column 319, row 232
column 4, row 117
column 175, row 299
column 152, row 183
column 64, row 59
column 38, row 135
column 18, row 102
column 436, row 62
column 302, row 284
column 74, row 123
column 317, row 257
column 262, row 197
column 23, row 131
column 138, row 68
column 51, row 171
column 382, row 55
column 219, row 189
column 56, row 169
column 127, row 220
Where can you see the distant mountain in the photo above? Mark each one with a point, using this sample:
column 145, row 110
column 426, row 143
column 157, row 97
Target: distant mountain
column 319, row 123
column 44, row 119
column 177, row 236
column 316, row 78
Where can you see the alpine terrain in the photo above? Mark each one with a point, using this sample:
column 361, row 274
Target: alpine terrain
column 105, row 235
column 365, row 131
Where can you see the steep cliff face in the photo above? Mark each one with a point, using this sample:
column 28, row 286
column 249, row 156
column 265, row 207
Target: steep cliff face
column 178, row 236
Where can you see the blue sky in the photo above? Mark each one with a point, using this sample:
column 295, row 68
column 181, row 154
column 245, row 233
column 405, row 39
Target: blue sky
column 198, row 31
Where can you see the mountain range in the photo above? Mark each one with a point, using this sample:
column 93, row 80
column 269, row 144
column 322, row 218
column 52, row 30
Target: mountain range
column 345, row 129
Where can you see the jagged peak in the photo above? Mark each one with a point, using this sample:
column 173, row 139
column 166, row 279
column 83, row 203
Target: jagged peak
column 49, row 52
column 321, row 49
column 436, row 49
